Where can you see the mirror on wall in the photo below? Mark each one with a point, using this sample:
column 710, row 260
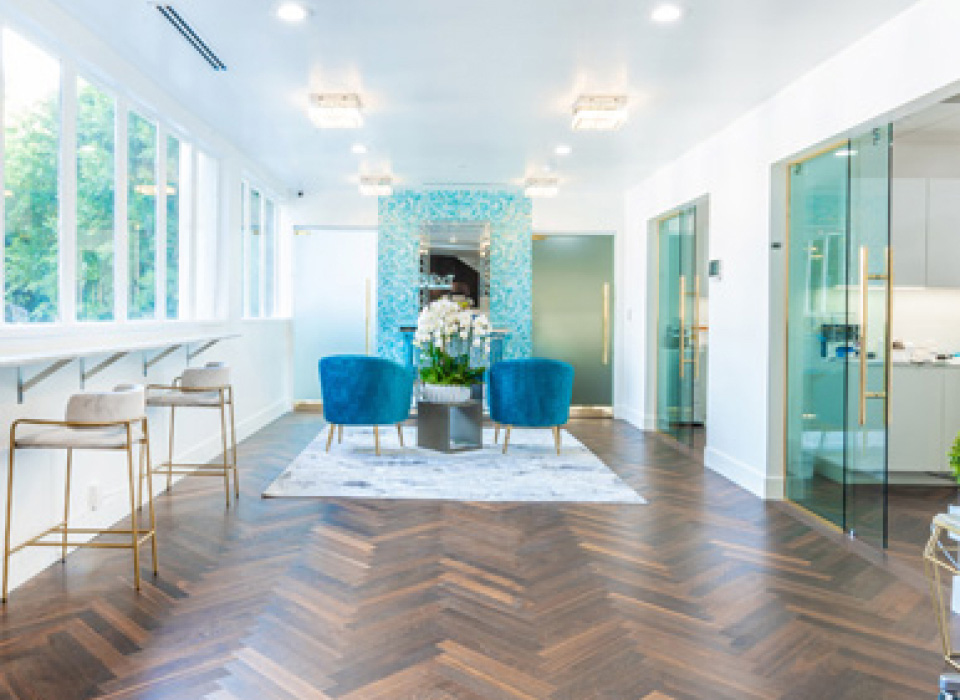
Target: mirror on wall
column 455, row 263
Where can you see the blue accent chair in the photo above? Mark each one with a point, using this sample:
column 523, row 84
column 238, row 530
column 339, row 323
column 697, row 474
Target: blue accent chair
column 362, row 390
column 530, row 393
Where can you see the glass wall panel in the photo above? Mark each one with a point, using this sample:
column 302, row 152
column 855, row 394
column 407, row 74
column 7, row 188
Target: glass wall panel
column 819, row 338
column 142, row 216
column 31, row 161
column 96, row 127
column 173, row 227
column 868, row 301
column 678, row 323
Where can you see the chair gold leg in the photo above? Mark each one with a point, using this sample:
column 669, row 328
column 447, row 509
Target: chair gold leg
column 556, row 437
column 170, row 453
column 133, row 513
column 9, row 515
column 66, row 505
column 339, row 434
column 150, row 510
column 226, row 449
column 376, row 439
column 333, row 429
column 506, row 438
column 400, row 433
column 496, row 433
column 233, row 442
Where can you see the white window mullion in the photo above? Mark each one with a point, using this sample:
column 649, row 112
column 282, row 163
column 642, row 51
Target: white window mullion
column 245, row 249
column 121, row 273
column 262, row 245
column 185, row 229
column 195, row 233
column 160, row 237
column 68, row 195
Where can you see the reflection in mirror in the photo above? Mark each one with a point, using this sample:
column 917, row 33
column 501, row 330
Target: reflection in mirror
column 455, row 263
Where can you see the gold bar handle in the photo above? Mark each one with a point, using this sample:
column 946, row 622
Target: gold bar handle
column 864, row 322
column 696, row 327
column 683, row 323
column 366, row 317
column 865, row 279
column 605, row 358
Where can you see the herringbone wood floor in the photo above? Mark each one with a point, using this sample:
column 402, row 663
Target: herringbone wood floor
column 704, row 593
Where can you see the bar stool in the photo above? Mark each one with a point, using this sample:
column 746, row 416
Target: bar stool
column 200, row 387
column 103, row 421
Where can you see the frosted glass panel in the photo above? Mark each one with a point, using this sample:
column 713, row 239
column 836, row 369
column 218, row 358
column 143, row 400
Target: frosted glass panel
column 570, row 276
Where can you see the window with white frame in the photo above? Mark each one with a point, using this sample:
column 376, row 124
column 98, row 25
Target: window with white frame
column 260, row 225
column 102, row 208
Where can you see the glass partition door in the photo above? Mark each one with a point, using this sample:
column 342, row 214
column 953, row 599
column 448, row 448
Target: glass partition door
column 678, row 327
column 838, row 302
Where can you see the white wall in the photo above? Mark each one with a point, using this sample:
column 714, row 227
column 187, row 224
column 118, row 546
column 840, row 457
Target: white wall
column 911, row 60
column 259, row 357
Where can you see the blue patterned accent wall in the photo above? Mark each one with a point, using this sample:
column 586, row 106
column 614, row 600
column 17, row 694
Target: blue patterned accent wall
column 511, row 260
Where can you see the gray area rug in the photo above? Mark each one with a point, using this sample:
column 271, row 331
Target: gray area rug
column 530, row 472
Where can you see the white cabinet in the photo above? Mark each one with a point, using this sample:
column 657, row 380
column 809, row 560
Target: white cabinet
column 917, row 416
column 925, row 232
column 908, row 231
column 943, row 233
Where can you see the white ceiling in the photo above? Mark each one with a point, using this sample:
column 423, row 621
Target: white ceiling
column 479, row 92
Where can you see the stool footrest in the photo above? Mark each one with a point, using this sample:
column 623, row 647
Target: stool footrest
column 144, row 536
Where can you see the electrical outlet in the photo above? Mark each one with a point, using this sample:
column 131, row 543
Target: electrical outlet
column 94, row 496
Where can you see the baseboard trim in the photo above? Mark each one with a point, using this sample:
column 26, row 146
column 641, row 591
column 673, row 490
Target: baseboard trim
column 740, row 473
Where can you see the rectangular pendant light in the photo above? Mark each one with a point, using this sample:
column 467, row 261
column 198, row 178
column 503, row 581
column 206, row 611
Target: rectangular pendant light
column 376, row 186
column 541, row 187
column 336, row 110
column 599, row 113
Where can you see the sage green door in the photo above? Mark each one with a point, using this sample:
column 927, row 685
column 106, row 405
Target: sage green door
column 678, row 325
column 838, row 335
column 573, row 310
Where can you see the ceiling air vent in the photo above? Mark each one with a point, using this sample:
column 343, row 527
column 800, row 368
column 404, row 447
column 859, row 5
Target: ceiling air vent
column 188, row 33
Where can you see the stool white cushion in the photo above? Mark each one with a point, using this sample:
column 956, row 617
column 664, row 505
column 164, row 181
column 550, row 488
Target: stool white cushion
column 56, row 437
column 214, row 375
column 125, row 403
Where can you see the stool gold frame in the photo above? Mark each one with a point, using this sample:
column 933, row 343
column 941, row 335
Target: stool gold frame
column 229, row 456
column 137, row 536
column 937, row 561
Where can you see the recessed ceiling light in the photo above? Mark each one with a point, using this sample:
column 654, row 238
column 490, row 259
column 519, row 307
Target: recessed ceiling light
column 541, row 187
column 292, row 12
column 666, row 13
column 336, row 111
column 376, row 185
column 563, row 150
column 359, row 149
column 599, row 112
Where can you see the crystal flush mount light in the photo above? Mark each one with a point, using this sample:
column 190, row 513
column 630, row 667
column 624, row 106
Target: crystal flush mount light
column 599, row 112
column 336, row 110
column 541, row 187
column 666, row 13
column 376, row 185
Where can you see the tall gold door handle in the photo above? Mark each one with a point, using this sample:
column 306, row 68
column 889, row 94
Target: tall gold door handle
column 605, row 353
column 683, row 324
column 696, row 327
column 865, row 279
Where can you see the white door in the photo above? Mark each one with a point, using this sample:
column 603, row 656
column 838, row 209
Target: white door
column 334, row 301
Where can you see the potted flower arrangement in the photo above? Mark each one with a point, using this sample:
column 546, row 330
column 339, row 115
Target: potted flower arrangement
column 448, row 334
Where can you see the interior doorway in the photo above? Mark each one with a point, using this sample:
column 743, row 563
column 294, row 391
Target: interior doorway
column 682, row 323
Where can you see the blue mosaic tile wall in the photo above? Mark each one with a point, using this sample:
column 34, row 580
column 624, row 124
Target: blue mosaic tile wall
column 511, row 260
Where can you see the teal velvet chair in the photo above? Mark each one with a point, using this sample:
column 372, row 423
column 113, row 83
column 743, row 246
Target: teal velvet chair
column 361, row 390
column 532, row 393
